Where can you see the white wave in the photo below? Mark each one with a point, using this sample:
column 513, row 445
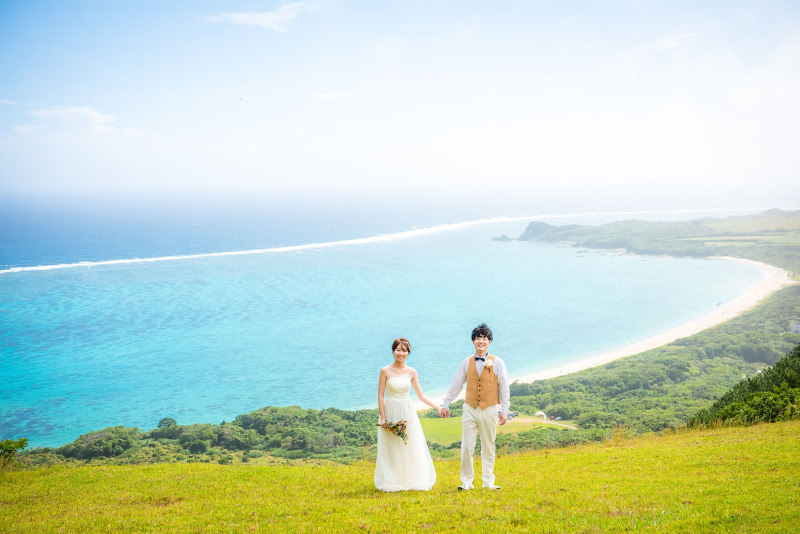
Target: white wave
column 359, row 241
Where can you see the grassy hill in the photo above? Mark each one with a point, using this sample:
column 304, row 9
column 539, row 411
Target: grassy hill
column 742, row 479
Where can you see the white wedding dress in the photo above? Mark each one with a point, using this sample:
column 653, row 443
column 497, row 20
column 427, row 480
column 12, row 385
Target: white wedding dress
column 402, row 466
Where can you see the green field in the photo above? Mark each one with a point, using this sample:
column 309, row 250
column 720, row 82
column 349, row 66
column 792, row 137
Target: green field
column 712, row 480
column 447, row 431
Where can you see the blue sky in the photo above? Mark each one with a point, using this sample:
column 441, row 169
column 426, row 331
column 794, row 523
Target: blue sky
column 633, row 103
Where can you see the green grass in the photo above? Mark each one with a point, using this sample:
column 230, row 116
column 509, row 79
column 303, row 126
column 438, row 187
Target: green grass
column 442, row 431
column 713, row 480
column 447, row 431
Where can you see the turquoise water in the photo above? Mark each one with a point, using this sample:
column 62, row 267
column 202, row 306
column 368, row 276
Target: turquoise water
column 204, row 339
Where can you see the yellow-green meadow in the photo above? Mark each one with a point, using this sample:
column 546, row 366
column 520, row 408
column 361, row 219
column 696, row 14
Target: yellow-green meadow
column 732, row 479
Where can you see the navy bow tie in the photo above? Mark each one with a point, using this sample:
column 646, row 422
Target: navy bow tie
column 479, row 358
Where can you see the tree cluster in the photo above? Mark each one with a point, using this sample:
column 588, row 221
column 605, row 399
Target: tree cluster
column 770, row 396
column 284, row 432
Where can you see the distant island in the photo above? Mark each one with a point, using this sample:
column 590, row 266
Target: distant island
column 771, row 237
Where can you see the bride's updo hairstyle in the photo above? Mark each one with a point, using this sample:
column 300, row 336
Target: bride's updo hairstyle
column 401, row 341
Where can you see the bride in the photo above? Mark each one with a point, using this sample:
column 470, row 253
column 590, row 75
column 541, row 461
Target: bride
column 401, row 465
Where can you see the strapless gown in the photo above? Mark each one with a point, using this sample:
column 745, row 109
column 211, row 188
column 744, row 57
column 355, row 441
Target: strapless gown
column 402, row 466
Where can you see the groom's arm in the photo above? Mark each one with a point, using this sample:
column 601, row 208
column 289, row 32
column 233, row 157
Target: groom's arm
column 503, row 393
column 455, row 388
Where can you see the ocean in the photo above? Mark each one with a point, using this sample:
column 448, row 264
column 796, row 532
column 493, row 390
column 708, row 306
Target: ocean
column 95, row 334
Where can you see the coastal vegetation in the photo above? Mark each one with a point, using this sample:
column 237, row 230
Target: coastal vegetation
column 768, row 397
column 265, row 436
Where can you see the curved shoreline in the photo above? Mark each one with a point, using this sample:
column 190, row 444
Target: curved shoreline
column 775, row 278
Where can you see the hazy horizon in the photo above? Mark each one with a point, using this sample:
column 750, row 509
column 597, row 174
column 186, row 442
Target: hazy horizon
column 499, row 109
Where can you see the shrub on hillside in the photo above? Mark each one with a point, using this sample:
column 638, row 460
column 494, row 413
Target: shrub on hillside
column 236, row 438
column 781, row 404
column 199, row 432
column 111, row 441
column 198, row 447
column 8, row 452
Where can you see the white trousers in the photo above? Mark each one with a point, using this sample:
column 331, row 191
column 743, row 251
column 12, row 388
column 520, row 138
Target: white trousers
column 475, row 421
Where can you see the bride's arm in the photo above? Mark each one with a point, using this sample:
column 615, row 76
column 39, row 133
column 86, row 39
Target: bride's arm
column 381, row 389
column 420, row 395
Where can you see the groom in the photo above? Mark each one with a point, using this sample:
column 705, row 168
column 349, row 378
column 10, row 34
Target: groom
column 487, row 385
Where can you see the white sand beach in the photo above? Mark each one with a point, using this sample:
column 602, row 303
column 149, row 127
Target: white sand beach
column 774, row 279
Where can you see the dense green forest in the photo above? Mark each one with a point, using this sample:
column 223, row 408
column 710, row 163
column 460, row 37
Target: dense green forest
column 689, row 380
column 771, row 396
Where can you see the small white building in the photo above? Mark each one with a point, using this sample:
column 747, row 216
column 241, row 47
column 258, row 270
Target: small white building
column 796, row 327
column 540, row 413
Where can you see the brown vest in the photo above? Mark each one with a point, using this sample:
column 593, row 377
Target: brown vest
column 481, row 390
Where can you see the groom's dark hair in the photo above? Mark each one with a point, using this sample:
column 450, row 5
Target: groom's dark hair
column 482, row 331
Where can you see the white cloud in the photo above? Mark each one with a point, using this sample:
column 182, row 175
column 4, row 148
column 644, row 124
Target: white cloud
column 279, row 20
column 673, row 40
column 9, row 102
column 68, row 119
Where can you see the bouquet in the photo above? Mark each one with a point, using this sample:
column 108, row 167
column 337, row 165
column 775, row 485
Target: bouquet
column 398, row 429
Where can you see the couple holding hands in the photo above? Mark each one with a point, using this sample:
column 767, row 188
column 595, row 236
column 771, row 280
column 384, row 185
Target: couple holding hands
column 404, row 461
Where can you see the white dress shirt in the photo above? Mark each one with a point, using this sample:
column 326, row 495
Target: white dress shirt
column 503, row 393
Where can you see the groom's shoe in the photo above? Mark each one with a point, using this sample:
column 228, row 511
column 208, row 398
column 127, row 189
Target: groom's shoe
column 465, row 487
column 492, row 487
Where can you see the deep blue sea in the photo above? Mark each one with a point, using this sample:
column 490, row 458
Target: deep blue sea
column 307, row 317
